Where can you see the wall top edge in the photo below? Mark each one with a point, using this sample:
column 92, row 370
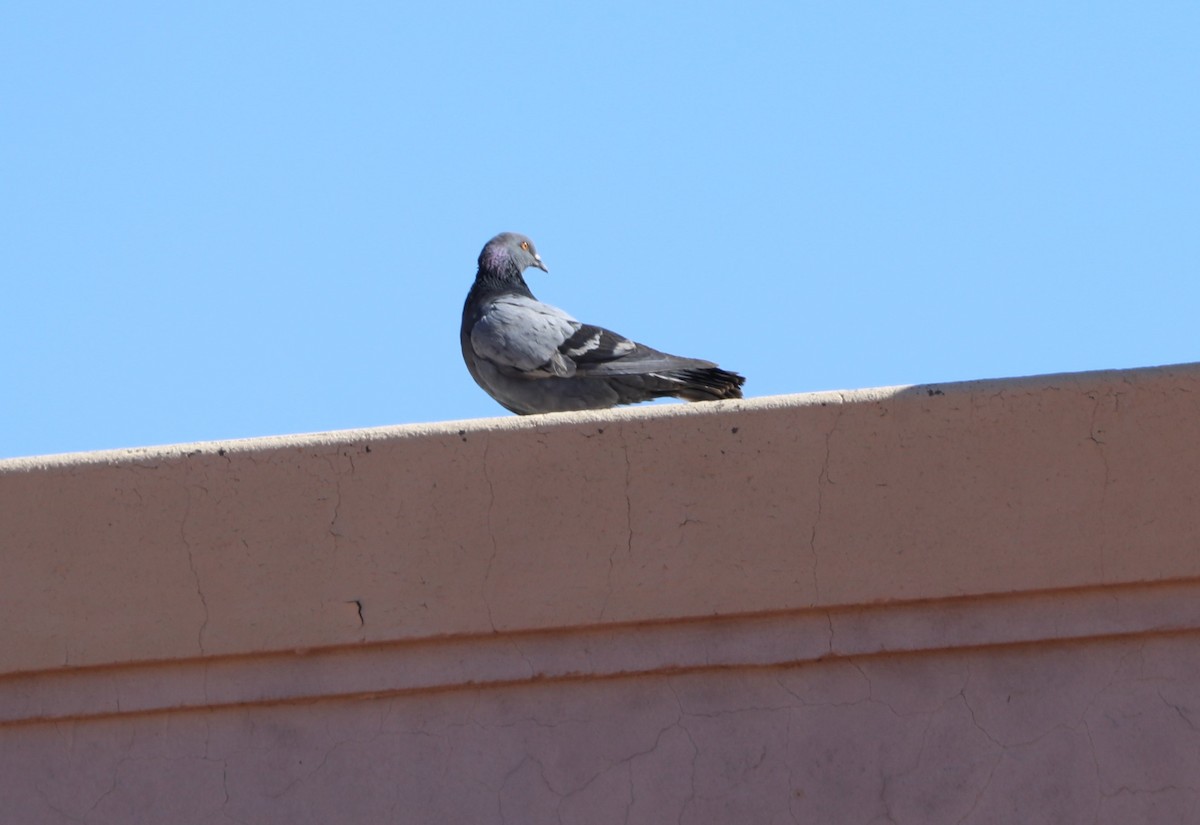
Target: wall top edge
column 540, row 423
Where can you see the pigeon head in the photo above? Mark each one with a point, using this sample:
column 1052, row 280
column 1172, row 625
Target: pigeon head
column 510, row 251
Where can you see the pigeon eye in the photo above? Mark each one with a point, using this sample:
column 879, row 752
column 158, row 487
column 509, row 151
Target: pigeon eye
column 525, row 245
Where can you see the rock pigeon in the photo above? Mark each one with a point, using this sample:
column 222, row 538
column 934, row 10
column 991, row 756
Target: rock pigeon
column 535, row 358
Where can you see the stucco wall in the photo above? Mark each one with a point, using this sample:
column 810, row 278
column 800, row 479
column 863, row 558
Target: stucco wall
column 964, row 603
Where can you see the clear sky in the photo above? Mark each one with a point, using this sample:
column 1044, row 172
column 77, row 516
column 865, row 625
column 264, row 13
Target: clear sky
column 222, row 220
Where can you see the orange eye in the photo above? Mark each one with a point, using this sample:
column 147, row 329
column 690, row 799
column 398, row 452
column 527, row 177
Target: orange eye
column 525, row 245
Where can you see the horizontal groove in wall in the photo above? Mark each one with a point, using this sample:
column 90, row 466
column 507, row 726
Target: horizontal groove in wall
column 602, row 652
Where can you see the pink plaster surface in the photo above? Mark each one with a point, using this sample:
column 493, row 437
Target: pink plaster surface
column 967, row 603
column 1104, row 732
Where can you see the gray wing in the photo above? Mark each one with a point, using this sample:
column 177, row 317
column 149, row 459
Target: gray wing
column 598, row 351
column 522, row 335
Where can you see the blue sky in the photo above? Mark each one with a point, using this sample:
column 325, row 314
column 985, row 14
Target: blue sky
column 225, row 220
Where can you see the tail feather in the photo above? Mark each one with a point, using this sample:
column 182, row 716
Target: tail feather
column 704, row 384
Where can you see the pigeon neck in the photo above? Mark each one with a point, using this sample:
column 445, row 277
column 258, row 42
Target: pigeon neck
column 505, row 279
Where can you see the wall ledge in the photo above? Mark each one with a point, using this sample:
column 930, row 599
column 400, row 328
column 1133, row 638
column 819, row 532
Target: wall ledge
column 972, row 496
column 513, row 423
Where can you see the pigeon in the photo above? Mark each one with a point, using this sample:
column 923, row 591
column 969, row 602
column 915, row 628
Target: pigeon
column 534, row 358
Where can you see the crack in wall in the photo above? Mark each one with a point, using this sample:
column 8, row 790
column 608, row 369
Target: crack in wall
column 983, row 790
column 1095, row 759
column 334, row 529
column 608, row 586
column 491, row 505
column 1179, row 710
column 187, row 512
column 691, row 797
column 822, row 480
column 1129, row 790
column 1095, row 435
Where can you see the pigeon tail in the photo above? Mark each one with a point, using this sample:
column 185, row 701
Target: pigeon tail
column 705, row 384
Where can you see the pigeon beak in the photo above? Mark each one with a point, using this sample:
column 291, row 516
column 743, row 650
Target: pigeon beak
column 537, row 261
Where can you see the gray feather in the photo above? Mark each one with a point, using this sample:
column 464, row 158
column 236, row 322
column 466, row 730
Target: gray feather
column 521, row 333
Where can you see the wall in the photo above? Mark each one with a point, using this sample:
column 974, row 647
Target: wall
column 960, row 603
